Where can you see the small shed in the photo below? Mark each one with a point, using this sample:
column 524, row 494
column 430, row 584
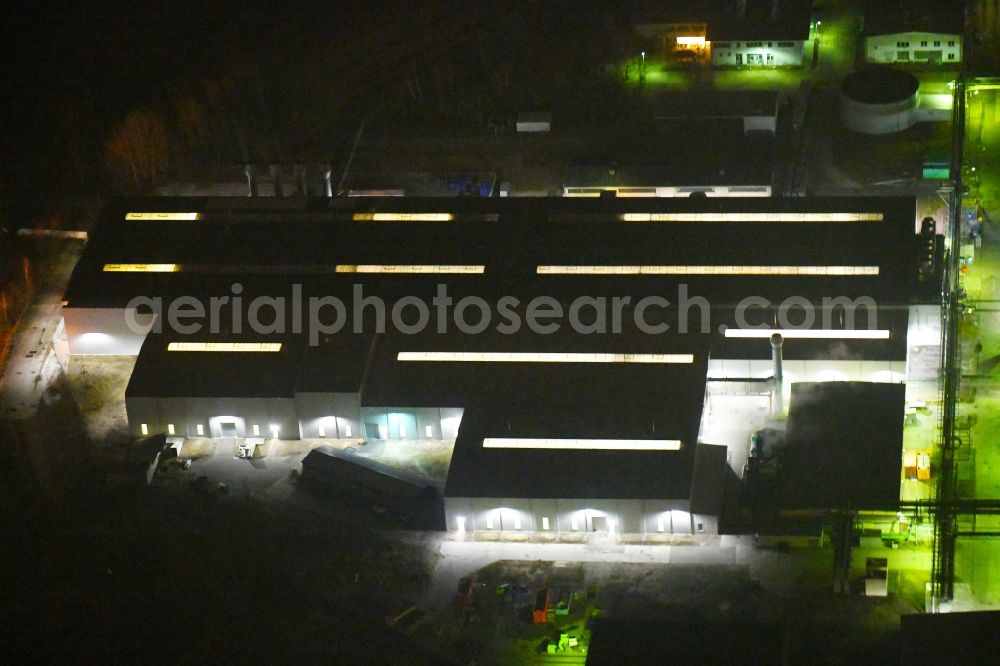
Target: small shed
column 534, row 121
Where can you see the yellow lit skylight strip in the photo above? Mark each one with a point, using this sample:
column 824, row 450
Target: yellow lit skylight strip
column 751, row 217
column 224, row 346
column 708, row 270
column 583, row 444
column 814, row 334
column 542, row 357
column 403, row 217
column 142, row 268
column 163, row 216
column 383, row 268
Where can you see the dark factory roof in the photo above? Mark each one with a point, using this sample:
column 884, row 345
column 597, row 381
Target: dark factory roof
column 539, row 401
column 845, row 443
column 338, row 463
column 480, row 471
column 268, row 250
column 951, row 642
column 392, row 382
column 196, row 371
column 336, row 364
column 284, row 248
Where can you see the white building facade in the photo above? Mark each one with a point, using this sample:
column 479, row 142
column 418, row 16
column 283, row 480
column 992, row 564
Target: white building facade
column 914, row 47
column 768, row 53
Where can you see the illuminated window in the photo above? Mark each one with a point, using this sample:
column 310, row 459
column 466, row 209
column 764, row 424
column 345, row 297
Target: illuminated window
column 573, row 523
column 142, row 268
column 823, row 334
column 545, row 522
column 517, row 520
column 659, row 523
column 224, row 347
column 708, row 270
column 256, row 430
column 381, row 268
column 403, row 217
column 322, row 430
column 144, row 428
column 583, row 444
column 489, row 521
column 428, row 432
column 163, row 216
column 690, row 41
column 542, row 357
column 347, row 431
column 170, row 429
column 201, row 430
column 751, row 217
column 275, row 428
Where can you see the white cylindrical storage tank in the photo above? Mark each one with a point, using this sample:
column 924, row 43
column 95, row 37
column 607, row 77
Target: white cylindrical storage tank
column 879, row 100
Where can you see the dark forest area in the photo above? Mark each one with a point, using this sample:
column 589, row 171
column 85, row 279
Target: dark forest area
column 122, row 98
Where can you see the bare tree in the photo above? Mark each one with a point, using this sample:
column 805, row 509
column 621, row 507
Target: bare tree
column 139, row 147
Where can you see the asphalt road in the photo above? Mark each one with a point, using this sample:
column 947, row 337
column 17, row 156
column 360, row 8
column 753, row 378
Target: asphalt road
column 33, row 362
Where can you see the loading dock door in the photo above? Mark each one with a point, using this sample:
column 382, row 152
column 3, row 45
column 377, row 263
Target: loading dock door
column 599, row 524
column 372, row 431
column 228, row 429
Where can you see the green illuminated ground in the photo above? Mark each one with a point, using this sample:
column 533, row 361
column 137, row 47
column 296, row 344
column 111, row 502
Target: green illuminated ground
column 977, row 560
column 838, row 41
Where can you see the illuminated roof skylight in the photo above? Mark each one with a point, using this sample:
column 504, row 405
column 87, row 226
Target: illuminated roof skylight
column 751, row 217
column 224, row 347
column 396, row 268
column 542, row 357
column 583, row 444
column 708, row 270
column 403, row 217
column 815, row 334
column 142, row 268
column 163, row 216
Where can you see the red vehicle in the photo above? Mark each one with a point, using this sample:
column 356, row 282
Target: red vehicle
column 540, row 615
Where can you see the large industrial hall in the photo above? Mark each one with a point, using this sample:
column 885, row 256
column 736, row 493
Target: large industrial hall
column 576, row 361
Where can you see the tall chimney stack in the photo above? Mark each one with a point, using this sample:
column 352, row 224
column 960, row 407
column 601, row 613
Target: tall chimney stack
column 777, row 402
column 251, row 173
